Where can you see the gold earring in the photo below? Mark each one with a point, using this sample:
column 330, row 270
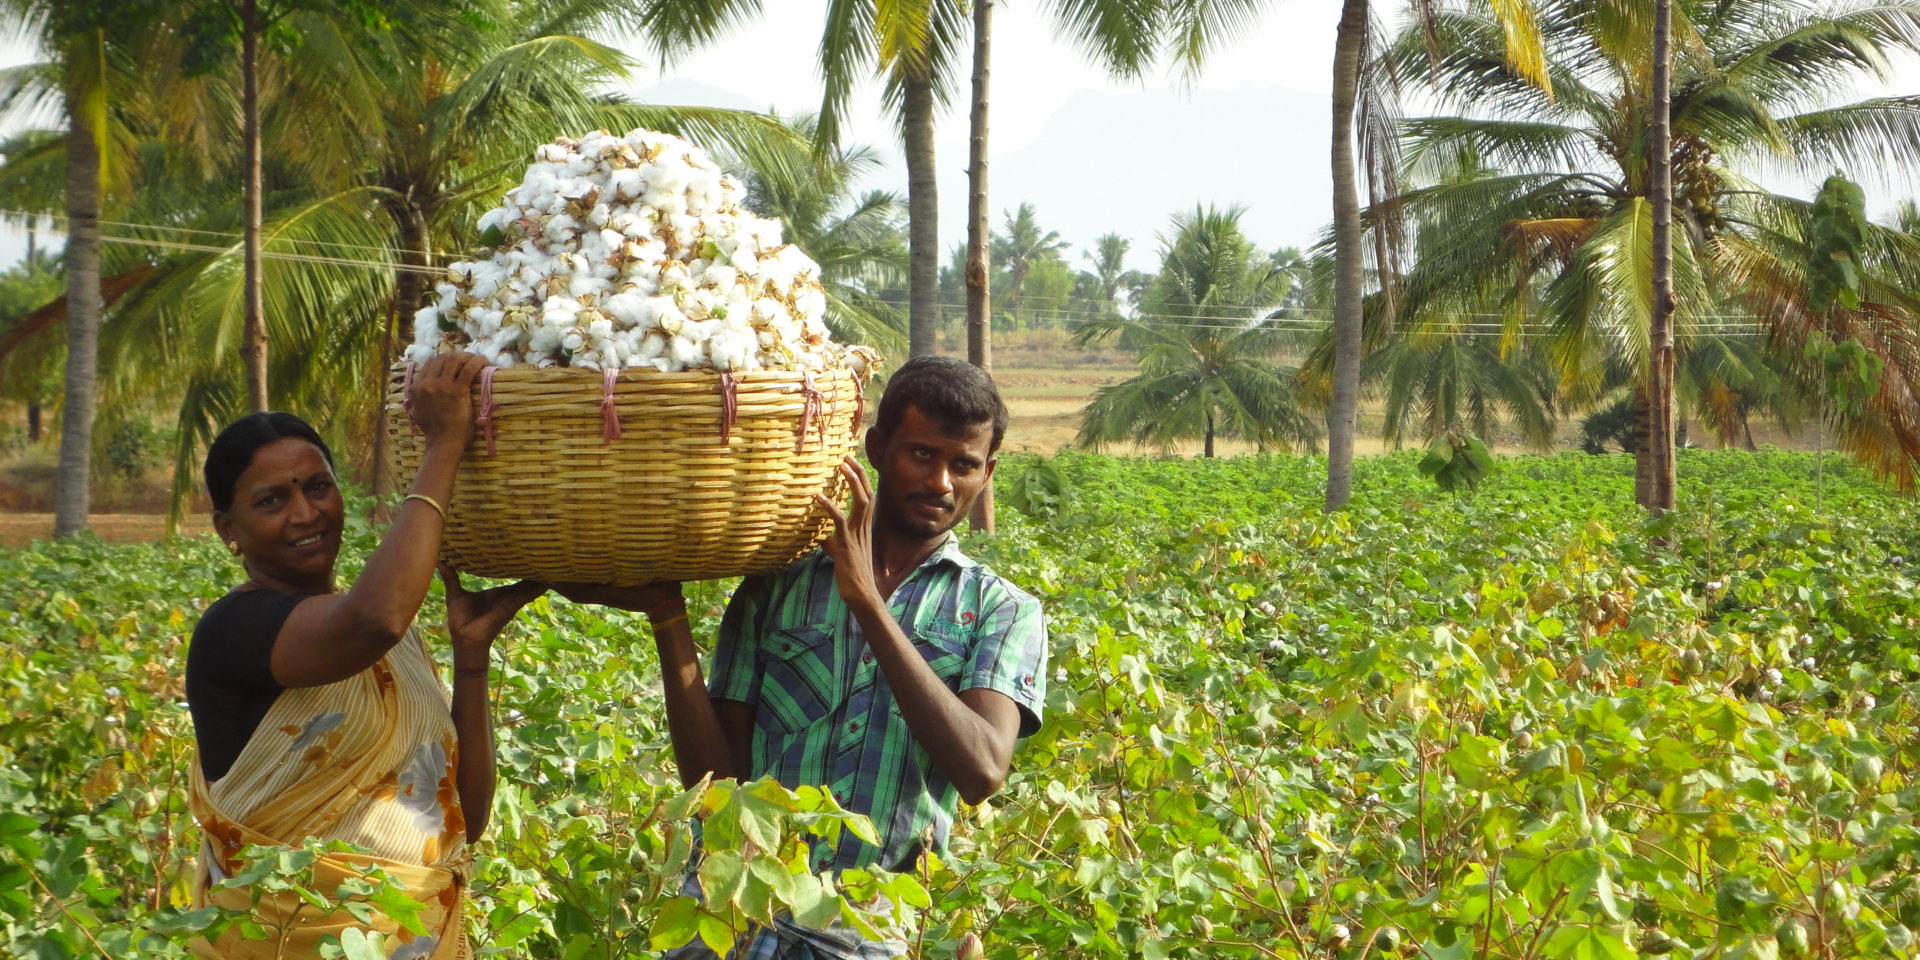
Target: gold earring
column 233, row 548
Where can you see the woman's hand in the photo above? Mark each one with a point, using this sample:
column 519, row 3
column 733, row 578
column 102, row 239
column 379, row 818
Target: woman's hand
column 442, row 398
column 475, row 619
column 653, row 599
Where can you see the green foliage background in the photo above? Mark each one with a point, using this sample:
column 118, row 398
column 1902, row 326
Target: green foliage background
column 1494, row 724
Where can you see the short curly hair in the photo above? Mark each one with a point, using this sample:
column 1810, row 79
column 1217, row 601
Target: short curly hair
column 948, row 390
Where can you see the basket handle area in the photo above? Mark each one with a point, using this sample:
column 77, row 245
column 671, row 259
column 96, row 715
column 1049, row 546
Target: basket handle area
column 729, row 406
column 609, row 417
column 487, row 407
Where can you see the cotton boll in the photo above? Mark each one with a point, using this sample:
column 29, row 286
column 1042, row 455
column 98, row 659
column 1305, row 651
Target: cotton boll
column 627, row 185
column 561, row 228
column 767, row 309
column 685, row 230
column 720, row 275
column 668, row 316
column 544, row 340
column 586, row 285
column 628, row 308
column 813, row 303
column 651, row 346
column 686, row 354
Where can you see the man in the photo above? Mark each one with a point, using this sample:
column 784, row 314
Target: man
column 889, row 666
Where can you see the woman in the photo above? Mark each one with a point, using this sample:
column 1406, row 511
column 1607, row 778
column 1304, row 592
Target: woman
column 317, row 711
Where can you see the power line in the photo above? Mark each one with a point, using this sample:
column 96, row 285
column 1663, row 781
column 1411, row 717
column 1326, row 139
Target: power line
column 1732, row 323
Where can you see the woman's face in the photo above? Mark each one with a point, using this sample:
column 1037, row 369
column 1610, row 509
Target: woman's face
column 286, row 517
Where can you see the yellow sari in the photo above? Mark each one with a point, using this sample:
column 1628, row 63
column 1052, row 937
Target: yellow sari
column 369, row 760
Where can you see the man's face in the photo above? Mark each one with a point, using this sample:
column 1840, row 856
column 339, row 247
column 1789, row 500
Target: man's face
column 929, row 477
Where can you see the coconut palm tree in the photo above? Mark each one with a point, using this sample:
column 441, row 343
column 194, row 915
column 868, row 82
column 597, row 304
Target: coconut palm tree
column 1023, row 247
column 456, row 112
column 1109, row 259
column 1561, row 234
column 1365, row 108
column 914, row 45
column 92, row 73
column 1207, row 349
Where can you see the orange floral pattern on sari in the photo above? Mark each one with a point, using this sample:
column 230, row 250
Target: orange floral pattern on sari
column 369, row 760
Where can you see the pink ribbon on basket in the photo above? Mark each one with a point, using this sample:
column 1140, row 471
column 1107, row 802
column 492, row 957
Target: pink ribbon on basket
column 810, row 408
column 487, row 407
column 729, row 406
column 406, row 397
column 609, row 416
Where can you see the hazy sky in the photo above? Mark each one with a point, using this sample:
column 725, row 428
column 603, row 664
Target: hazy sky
column 1091, row 152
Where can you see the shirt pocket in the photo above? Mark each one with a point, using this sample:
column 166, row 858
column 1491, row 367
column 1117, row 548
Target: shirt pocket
column 947, row 651
column 800, row 680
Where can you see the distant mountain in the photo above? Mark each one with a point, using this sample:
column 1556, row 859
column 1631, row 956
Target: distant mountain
column 685, row 91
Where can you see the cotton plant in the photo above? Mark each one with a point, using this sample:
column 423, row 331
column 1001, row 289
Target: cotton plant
column 633, row 252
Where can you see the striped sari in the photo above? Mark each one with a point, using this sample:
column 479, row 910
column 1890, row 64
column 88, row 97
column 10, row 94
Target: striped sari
column 369, row 760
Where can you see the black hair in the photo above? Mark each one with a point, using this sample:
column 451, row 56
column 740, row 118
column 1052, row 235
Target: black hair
column 231, row 453
column 950, row 391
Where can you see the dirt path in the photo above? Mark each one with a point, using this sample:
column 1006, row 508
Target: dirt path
column 20, row 529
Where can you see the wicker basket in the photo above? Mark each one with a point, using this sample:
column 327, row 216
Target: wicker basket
column 650, row 476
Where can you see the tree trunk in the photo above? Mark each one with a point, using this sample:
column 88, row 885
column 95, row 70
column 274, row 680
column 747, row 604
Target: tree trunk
column 33, row 264
column 1347, row 271
column 253, row 343
column 409, row 289
column 979, row 333
column 83, row 322
column 1209, row 450
column 1659, row 452
column 1641, row 437
column 923, row 230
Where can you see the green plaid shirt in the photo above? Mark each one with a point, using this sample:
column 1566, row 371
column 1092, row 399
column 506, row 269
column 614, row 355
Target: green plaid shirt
column 789, row 646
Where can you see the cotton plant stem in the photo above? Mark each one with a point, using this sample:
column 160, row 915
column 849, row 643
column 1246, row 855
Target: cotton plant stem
column 42, row 884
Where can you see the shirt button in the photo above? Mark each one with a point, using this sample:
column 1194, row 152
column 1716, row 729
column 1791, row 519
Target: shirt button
column 855, row 725
column 866, row 658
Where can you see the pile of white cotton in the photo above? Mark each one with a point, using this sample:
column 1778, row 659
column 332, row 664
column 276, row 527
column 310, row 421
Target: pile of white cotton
column 630, row 252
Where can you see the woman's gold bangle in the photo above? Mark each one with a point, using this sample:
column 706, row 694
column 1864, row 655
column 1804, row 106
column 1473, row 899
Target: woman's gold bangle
column 429, row 501
column 659, row 625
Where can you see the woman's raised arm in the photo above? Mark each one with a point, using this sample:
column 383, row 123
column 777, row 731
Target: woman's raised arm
column 334, row 636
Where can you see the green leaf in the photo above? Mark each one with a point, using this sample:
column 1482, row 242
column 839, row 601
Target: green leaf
column 723, row 875
column 675, row 925
column 715, row 933
column 357, row 944
column 400, row 908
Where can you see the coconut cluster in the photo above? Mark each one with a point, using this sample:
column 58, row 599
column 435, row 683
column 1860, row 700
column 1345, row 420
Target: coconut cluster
column 630, row 252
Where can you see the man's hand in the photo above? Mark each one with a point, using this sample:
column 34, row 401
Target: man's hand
column 652, row 599
column 475, row 619
column 851, row 545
